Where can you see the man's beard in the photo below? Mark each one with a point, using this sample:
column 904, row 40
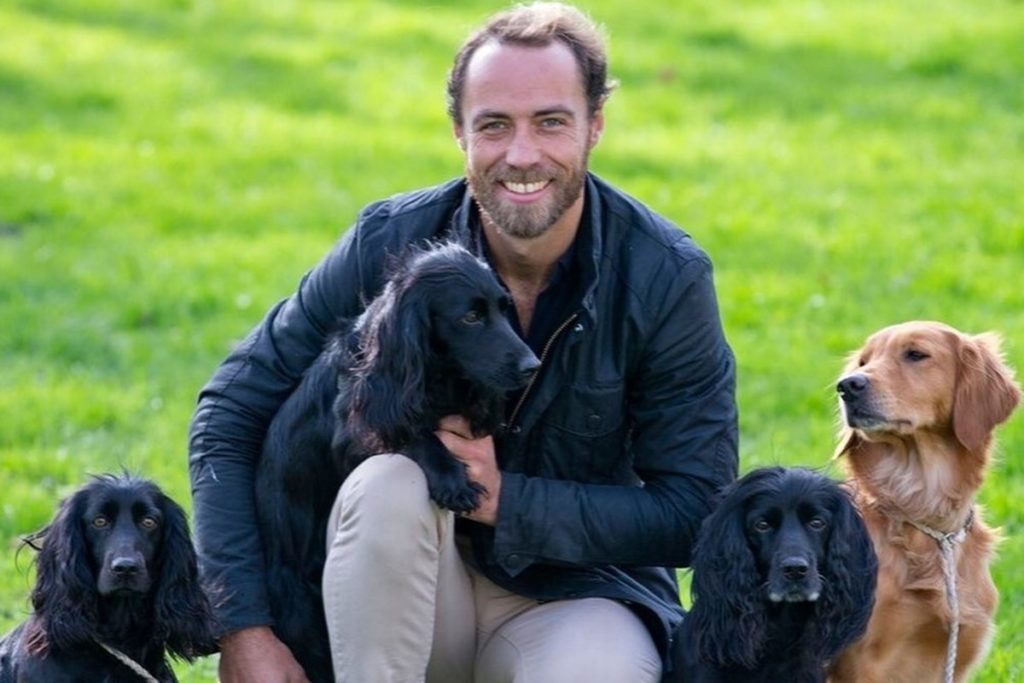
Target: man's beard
column 526, row 221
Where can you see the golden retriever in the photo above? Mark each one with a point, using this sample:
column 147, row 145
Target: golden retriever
column 919, row 403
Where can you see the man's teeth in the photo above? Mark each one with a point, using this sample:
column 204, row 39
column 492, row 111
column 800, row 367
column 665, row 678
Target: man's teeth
column 526, row 188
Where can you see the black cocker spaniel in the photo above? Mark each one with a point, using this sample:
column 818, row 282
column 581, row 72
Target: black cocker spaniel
column 436, row 341
column 116, row 590
column 783, row 579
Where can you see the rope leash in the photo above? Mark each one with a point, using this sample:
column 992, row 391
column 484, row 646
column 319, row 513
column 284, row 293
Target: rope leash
column 128, row 662
column 947, row 546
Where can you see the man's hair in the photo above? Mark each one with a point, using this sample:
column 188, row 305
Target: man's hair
column 539, row 24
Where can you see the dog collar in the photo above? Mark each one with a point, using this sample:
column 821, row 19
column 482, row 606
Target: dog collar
column 947, row 546
column 128, row 662
column 952, row 538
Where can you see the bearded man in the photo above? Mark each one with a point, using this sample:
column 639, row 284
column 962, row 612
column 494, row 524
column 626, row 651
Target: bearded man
column 609, row 460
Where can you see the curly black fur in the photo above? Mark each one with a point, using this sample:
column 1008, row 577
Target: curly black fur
column 783, row 579
column 436, row 341
column 117, row 565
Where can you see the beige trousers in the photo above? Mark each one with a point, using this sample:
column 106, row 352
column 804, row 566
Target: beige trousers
column 402, row 607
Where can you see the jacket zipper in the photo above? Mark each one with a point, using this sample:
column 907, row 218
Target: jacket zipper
column 543, row 357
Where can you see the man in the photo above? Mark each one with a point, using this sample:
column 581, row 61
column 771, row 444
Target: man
column 609, row 461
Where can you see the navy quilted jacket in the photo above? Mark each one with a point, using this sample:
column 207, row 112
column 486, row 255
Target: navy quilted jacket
column 609, row 463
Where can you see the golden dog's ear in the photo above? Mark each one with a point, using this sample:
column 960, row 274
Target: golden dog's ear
column 986, row 393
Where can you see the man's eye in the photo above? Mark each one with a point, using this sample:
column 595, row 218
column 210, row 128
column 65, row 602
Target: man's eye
column 552, row 123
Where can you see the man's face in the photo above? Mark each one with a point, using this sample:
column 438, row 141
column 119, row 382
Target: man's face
column 526, row 134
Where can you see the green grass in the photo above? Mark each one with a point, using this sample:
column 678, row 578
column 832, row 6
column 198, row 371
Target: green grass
column 169, row 169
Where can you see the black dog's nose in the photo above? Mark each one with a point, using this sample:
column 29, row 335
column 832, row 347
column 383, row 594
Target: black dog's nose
column 125, row 566
column 852, row 386
column 528, row 367
column 795, row 568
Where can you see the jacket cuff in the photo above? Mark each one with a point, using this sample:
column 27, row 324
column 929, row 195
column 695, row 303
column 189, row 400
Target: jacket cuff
column 509, row 533
column 237, row 607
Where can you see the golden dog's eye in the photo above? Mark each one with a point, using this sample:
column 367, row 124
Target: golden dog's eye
column 915, row 356
column 148, row 523
column 100, row 522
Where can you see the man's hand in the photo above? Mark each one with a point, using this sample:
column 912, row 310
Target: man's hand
column 481, row 464
column 255, row 655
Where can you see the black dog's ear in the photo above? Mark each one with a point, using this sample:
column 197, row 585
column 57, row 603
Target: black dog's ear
column 728, row 604
column 388, row 386
column 182, row 611
column 64, row 597
column 850, row 573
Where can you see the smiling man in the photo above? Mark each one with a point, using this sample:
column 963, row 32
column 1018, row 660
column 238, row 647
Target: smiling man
column 608, row 461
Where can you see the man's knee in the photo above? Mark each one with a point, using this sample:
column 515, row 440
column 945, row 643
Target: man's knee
column 389, row 480
column 593, row 640
column 608, row 644
column 386, row 496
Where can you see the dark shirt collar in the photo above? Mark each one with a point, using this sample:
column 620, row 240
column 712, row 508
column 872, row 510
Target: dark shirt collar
column 561, row 295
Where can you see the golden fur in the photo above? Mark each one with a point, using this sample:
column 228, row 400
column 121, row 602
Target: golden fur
column 920, row 403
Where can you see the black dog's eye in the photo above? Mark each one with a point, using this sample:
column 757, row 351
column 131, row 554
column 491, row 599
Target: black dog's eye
column 100, row 522
column 148, row 523
column 914, row 356
column 472, row 318
column 762, row 525
column 816, row 523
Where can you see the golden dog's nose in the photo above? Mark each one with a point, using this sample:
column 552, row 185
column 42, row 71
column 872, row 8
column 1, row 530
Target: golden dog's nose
column 852, row 386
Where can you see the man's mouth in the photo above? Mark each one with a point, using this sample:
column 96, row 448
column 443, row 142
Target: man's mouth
column 525, row 188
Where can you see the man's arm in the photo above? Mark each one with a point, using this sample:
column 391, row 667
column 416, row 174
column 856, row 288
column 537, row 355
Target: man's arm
column 231, row 420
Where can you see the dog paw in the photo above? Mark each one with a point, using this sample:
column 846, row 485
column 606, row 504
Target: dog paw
column 463, row 498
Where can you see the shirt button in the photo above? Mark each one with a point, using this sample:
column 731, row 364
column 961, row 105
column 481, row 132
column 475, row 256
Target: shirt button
column 593, row 421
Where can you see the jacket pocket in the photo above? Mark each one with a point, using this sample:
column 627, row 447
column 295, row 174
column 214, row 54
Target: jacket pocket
column 584, row 435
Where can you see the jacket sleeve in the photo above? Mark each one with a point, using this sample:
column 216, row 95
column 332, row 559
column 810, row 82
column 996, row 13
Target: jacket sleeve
column 684, row 448
column 231, row 419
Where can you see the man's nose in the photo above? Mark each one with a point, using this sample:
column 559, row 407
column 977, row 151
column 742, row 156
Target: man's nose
column 523, row 148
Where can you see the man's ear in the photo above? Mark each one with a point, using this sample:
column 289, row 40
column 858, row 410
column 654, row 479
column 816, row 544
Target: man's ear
column 460, row 135
column 596, row 127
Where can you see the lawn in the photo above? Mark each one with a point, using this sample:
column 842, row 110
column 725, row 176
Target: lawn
column 169, row 169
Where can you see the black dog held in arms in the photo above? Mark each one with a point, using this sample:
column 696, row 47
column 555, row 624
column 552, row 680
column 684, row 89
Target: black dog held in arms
column 783, row 579
column 116, row 589
column 434, row 342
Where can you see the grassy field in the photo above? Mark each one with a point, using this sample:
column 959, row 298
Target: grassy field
column 169, row 169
